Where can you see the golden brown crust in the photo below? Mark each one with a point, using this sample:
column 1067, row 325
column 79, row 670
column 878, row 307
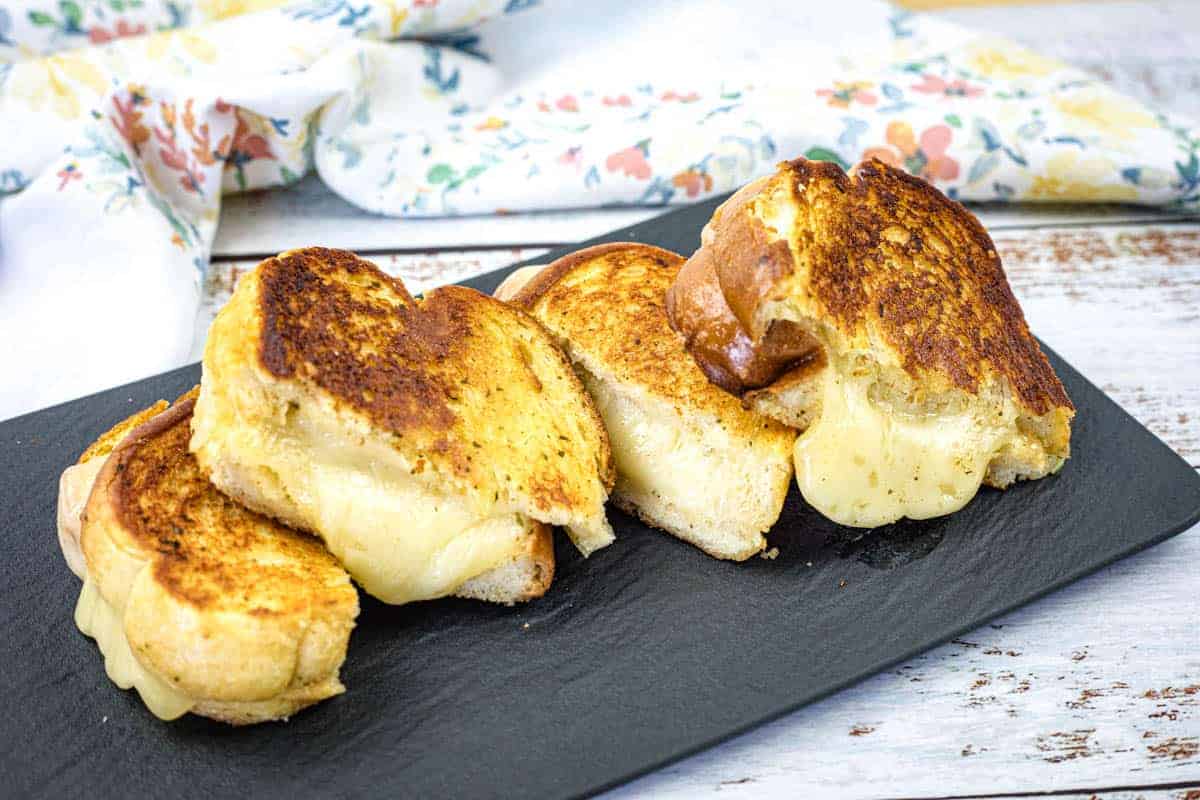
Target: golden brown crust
column 891, row 263
column 425, row 370
column 697, row 309
column 609, row 303
column 205, row 549
column 113, row 436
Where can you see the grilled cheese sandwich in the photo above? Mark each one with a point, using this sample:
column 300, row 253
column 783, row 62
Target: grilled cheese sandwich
column 872, row 313
column 429, row 443
column 198, row 604
column 690, row 460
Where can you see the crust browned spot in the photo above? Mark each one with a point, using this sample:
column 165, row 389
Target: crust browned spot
column 451, row 377
column 882, row 251
column 609, row 302
column 206, row 549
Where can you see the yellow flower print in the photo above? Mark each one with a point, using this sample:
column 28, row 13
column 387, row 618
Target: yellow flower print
column 397, row 16
column 491, row 124
column 1008, row 61
column 220, row 9
column 1069, row 176
column 56, row 82
column 1103, row 112
column 196, row 46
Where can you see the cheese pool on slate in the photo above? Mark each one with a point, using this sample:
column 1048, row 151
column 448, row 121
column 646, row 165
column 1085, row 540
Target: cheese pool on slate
column 95, row 617
column 862, row 466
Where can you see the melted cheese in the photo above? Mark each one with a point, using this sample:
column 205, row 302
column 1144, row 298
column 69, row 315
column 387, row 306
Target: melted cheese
column 96, row 618
column 400, row 539
column 862, row 465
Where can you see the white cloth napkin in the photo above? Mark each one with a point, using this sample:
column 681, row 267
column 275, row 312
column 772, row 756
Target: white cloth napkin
column 115, row 152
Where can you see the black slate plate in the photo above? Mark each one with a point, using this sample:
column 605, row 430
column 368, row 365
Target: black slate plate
column 644, row 653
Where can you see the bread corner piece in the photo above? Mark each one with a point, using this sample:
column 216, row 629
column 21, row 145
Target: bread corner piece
column 199, row 604
column 430, row 443
column 873, row 313
column 690, row 460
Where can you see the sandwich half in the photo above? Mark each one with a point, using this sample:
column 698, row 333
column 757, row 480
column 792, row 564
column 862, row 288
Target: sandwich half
column 873, row 313
column 198, row 603
column 690, row 460
column 430, row 443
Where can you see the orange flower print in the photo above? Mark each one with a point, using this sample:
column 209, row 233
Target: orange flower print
column 672, row 95
column 631, row 161
column 567, row 103
column 925, row 156
column 932, row 84
column 67, row 174
column 620, row 100
column 128, row 119
column 98, row 35
column 542, row 106
column 693, row 181
column 842, row 95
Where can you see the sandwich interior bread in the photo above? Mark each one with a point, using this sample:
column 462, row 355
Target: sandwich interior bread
column 690, row 460
column 873, row 313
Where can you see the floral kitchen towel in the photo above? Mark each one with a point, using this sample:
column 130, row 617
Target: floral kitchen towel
column 122, row 122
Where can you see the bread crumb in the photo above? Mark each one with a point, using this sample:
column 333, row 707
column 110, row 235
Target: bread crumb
column 771, row 554
column 808, row 563
column 525, row 626
column 842, row 583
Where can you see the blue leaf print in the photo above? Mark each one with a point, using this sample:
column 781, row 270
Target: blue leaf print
column 891, row 91
column 658, row 188
column 445, row 84
column 519, row 5
column 460, row 39
column 1032, row 129
column 351, row 155
column 5, row 26
column 280, row 124
column 1132, row 175
column 1075, row 140
column 982, row 166
column 592, row 177
column 11, row 180
column 1003, row 191
column 1016, row 157
column 899, row 25
column 854, row 128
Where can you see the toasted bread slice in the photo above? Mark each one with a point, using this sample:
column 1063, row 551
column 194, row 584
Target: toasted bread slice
column 75, row 484
column 200, row 604
column 429, row 443
column 690, row 459
column 872, row 311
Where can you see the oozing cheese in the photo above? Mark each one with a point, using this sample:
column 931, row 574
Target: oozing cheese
column 400, row 540
column 95, row 617
column 864, row 466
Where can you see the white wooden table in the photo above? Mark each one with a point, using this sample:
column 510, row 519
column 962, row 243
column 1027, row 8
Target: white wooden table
column 1094, row 691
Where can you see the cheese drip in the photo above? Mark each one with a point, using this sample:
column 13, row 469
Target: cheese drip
column 864, row 466
column 96, row 618
column 399, row 539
